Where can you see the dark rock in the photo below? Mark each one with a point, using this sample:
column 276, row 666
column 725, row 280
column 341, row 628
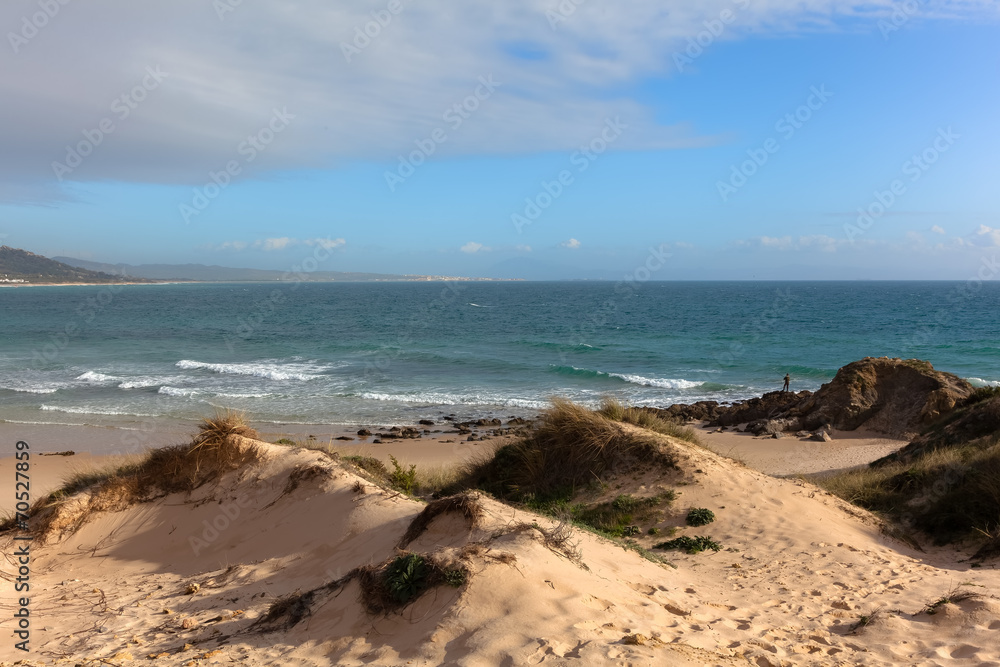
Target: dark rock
column 426, row 422
column 344, row 437
column 364, row 432
column 472, row 438
column 821, row 436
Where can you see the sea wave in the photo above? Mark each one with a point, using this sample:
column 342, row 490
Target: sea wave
column 177, row 391
column 94, row 377
column 144, row 382
column 980, row 382
column 659, row 383
column 32, row 389
column 269, row 370
column 434, row 398
column 92, row 411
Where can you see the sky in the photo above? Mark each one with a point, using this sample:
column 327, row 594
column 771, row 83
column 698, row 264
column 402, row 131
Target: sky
column 538, row 139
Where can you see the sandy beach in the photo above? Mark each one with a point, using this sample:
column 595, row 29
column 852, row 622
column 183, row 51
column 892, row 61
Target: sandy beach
column 798, row 569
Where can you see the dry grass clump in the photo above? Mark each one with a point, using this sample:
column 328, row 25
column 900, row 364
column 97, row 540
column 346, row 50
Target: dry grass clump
column 570, row 447
column 214, row 451
column 617, row 411
column 467, row 504
column 950, row 493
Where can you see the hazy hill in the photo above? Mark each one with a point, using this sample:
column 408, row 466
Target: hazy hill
column 17, row 264
column 229, row 274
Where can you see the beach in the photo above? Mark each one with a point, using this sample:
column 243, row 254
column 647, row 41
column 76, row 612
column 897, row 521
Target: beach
column 797, row 570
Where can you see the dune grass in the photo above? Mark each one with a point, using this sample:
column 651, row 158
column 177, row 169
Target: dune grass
column 948, row 493
column 615, row 410
column 570, row 448
column 211, row 453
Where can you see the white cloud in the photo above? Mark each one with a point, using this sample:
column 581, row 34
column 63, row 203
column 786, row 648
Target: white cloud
column 224, row 82
column 573, row 244
column 782, row 243
column 472, row 247
column 273, row 244
column 986, row 236
column 326, row 244
column 523, row 248
column 937, row 230
column 233, row 245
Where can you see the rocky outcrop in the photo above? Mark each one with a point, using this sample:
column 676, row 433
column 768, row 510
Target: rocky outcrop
column 892, row 396
column 772, row 405
column 898, row 397
column 976, row 421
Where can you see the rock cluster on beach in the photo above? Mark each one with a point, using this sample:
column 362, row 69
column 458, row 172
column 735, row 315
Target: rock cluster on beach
column 896, row 397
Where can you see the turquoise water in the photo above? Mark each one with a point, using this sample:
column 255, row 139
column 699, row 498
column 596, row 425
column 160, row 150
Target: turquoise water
column 350, row 353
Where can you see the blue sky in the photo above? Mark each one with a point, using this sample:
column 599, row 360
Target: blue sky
column 673, row 129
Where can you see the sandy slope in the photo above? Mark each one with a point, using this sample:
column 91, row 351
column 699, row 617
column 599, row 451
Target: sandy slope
column 798, row 570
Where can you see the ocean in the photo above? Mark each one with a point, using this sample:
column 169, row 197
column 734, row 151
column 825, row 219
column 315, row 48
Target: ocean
column 389, row 353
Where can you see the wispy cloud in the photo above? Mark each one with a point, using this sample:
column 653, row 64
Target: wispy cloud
column 472, row 248
column 572, row 244
column 223, row 85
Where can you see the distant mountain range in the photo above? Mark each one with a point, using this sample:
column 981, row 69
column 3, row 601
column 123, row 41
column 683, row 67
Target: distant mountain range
column 202, row 272
column 21, row 266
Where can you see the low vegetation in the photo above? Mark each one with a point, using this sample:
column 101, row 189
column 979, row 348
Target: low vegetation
column 570, row 448
column 644, row 418
column 699, row 516
column 691, row 545
column 215, row 450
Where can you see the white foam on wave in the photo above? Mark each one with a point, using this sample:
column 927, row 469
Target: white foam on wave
column 32, row 390
column 94, row 377
column 269, row 370
column 433, row 398
column 145, row 382
column 980, row 382
column 92, row 411
column 659, row 383
column 176, row 391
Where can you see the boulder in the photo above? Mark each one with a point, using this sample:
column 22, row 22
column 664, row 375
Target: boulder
column 891, row 396
column 364, row 432
column 821, row 436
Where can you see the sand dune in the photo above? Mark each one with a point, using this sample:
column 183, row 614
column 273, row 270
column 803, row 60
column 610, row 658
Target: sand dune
column 189, row 577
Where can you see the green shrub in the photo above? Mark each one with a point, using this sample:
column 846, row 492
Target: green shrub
column 455, row 578
column 699, row 516
column 406, row 578
column 690, row 545
column 402, row 479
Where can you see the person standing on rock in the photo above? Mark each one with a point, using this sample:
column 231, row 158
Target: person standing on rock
column 788, row 378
